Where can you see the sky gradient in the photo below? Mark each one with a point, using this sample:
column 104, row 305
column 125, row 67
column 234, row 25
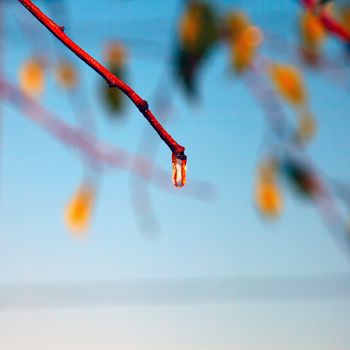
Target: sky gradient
column 225, row 238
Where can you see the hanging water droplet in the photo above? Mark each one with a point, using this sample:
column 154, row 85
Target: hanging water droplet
column 179, row 170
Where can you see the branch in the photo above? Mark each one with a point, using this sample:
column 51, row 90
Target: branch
column 327, row 20
column 101, row 152
column 111, row 79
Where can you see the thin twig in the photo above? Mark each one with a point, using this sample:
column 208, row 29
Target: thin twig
column 111, row 79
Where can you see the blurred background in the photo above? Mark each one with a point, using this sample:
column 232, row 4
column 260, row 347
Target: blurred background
column 98, row 249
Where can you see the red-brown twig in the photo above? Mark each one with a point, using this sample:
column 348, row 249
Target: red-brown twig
column 327, row 20
column 111, row 79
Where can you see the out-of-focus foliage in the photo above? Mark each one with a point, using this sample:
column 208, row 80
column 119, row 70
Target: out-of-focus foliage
column 268, row 197
column 198, row 31
column 113, row 98
column 302, row 178
column 289, row 83
column 306, row 127
column 243, row 39
column 79, row 209
column 313, row 36
column 32, row 77
column 66, row 74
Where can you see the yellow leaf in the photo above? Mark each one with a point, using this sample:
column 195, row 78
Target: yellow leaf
column 32, row 77
column 243, row 51
column 189, row 27
column 289, row 83
column 79, row 209
column 311, row 29
column 66, row 75
column 268, row 198
column 115, row 53
column 236, row 22
column 243, row 39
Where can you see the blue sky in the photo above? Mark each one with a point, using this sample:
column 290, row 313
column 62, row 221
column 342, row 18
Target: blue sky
column 226, row 237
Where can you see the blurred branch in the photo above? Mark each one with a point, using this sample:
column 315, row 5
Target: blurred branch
column 96, row 149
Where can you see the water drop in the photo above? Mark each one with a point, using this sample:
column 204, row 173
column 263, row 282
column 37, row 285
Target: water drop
column 179, row 170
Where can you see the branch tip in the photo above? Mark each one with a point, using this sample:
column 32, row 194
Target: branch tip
column 181, row 154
